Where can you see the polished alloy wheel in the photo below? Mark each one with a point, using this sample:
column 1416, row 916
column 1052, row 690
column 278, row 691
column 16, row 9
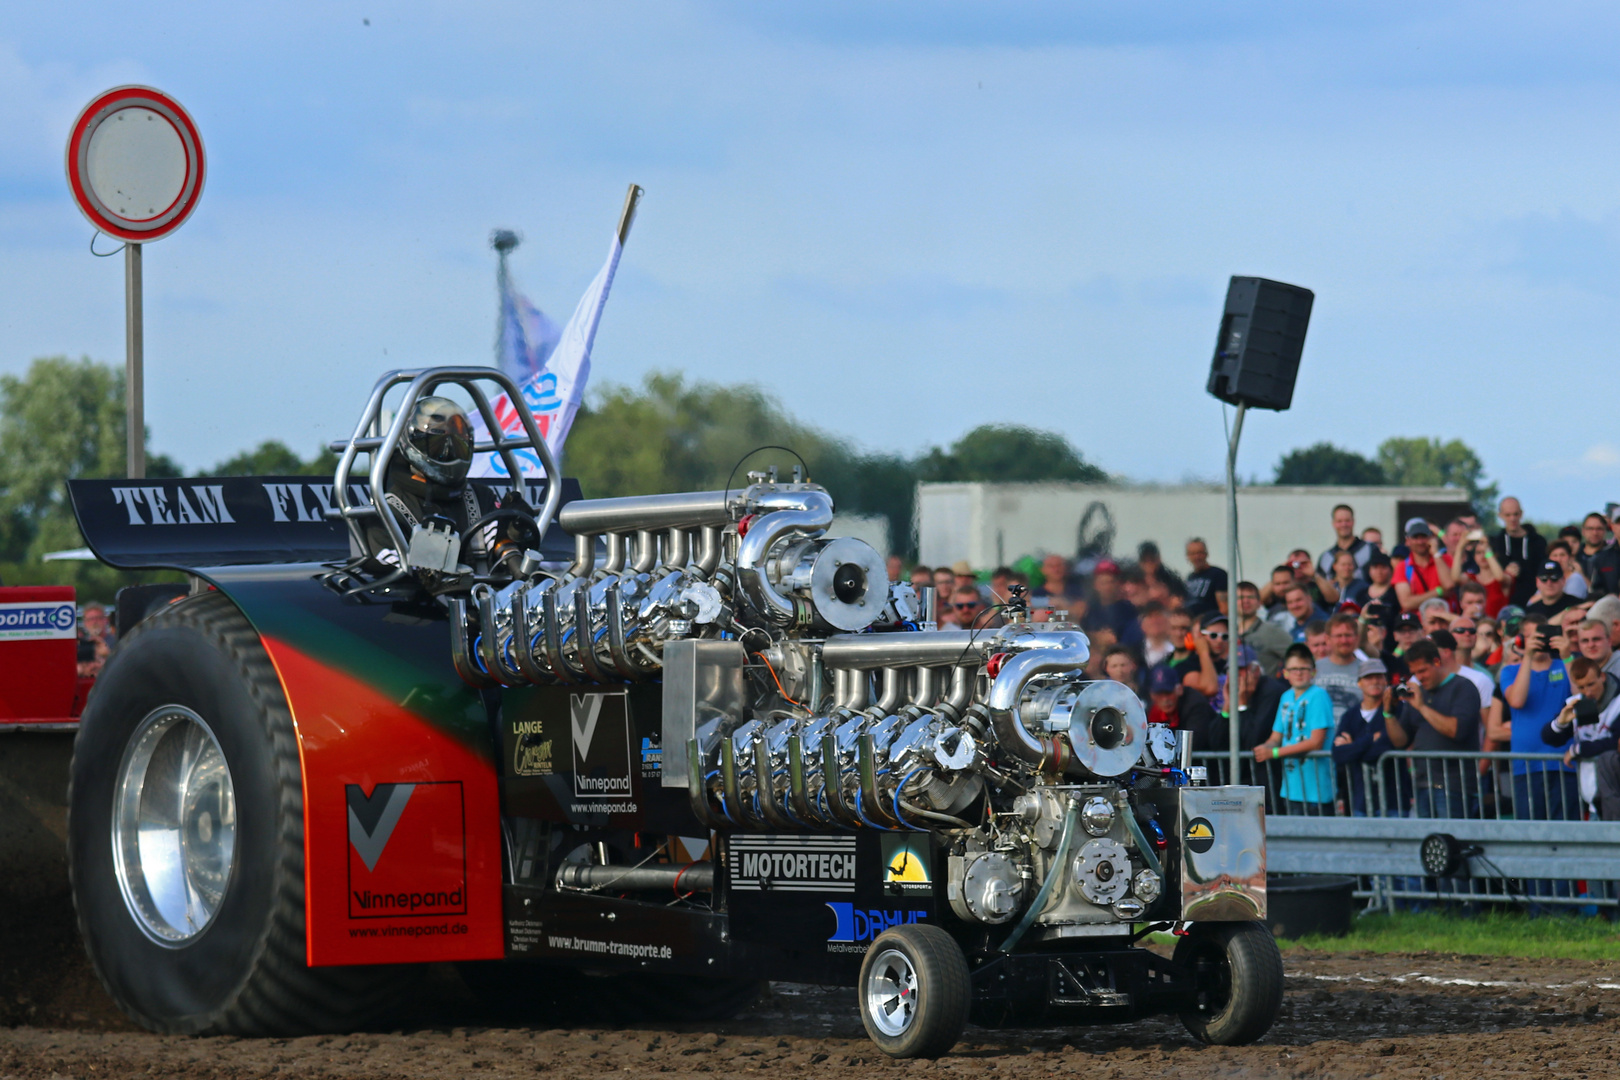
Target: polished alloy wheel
column 174, row 825
column 891, row 992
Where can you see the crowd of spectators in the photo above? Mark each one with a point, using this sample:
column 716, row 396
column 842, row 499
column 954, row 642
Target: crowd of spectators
column 1451, row 640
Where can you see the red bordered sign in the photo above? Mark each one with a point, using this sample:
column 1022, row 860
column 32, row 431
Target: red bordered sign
column 135, row 163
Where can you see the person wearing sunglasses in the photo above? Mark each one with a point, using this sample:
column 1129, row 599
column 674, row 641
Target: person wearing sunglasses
column 968, row 610
column 1552, row 598
column 1303, row 726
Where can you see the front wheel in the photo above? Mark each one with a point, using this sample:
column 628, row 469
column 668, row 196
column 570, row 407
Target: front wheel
column 1238, row 975
column 915, row 991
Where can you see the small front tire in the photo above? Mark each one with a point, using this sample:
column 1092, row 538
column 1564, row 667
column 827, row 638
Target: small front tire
column 915, row 991
column 1238, row 974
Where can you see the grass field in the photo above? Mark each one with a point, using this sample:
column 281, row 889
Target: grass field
column 1496, row 933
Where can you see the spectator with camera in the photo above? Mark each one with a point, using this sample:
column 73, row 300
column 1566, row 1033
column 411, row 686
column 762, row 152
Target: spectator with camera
column 1362, row 736
column 1550, row 600
column 1590, row 723
column 1268, row 639
column 1304, row 724
column 1468, row 559
column 1519, row 549
column 1535, row 689
column 1473, row 599
column 1439, row 712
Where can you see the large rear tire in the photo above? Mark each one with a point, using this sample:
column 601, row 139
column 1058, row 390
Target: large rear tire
column 1239, row 976
column 186, row 837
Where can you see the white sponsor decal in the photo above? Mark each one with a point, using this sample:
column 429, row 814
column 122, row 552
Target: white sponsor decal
column 33, row 620
column 178, row 504
column 819, row 864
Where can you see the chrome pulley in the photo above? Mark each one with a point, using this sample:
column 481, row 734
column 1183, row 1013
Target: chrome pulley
column 173, row 825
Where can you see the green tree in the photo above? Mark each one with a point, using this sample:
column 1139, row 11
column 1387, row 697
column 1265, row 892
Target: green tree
column 62, row 420
column 1430, row 462
column 669, row 434
column 1326, row 464
column 273, row 458
column 1009, row 452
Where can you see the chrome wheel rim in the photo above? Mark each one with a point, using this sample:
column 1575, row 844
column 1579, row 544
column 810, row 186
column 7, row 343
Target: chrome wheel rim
column 891, row 992
column 174, row 825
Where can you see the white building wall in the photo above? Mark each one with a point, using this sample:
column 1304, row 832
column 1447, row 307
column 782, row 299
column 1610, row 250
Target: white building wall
column 995, row 524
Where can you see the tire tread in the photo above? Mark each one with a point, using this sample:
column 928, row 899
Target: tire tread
column 280, row 994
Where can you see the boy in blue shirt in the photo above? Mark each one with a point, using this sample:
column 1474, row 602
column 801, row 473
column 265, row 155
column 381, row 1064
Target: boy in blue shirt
column 1304, row 723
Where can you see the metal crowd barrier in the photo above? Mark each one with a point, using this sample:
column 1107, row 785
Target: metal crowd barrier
column 1522, row 834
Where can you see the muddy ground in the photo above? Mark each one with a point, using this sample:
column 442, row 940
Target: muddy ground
column 1346, row 1015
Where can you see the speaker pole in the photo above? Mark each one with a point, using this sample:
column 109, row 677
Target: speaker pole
column 1234, row 639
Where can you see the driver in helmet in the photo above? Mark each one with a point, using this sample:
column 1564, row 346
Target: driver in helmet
column 426, row 486
column 427, row 491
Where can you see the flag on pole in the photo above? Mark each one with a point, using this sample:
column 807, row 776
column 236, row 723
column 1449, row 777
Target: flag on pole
column 527, row 335
column 557, row 362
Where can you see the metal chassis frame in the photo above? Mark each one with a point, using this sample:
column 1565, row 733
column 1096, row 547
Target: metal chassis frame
column 381, row 448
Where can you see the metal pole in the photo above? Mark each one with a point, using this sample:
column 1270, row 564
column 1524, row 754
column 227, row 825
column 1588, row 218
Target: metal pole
column 1234, row 636
column 134, row 386
column 628, row 214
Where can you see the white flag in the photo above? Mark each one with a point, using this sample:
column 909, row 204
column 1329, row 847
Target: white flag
column 553, row 394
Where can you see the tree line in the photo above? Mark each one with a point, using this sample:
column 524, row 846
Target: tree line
column 64, row 419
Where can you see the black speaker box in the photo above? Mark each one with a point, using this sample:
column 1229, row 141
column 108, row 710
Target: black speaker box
column 1262, row 336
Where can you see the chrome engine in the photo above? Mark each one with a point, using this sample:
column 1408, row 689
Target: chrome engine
column 805, row 692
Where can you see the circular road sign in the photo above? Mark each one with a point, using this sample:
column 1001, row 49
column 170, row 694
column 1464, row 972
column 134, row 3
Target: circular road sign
column 135, row 163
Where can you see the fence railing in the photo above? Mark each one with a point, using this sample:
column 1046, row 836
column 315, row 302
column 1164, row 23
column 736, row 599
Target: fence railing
column 1520, row 816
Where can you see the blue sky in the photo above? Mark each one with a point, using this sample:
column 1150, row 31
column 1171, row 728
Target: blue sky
column 905, row 219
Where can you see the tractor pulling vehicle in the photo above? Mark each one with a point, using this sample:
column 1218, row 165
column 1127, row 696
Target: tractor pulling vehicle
column 659, row 747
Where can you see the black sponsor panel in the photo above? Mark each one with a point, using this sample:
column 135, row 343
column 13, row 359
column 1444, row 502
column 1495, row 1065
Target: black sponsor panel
column 600, row 931
column 239, row 520
column 590, row 756
column 813, row 903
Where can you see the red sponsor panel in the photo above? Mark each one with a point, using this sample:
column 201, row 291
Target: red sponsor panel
column 401, row 827
column 38, row 654
column 407, row 850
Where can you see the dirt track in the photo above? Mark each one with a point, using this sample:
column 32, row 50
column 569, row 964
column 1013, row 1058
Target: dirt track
column 1345, row 1016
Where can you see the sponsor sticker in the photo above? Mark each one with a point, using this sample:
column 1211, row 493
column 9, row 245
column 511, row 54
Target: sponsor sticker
column 1200, row 835
column 599, row 727
column 906, row 868
column 531, row 749
column 856, row 926
column 407, row 850
column 652, row 757
column 824, row 864
column 35, row 620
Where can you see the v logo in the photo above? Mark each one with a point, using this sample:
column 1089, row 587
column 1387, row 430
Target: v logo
column 584, row 710
column 372, row 820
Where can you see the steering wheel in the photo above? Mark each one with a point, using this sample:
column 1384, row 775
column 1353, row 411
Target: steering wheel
column 528, row 528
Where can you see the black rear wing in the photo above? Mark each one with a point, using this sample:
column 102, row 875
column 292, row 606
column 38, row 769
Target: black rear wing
column 239, row 520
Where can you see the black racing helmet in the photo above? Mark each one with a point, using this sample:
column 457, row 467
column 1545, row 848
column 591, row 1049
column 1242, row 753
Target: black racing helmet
column 438, row 441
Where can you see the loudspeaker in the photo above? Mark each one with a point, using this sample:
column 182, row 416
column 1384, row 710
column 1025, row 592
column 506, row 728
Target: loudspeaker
column 1262, row 335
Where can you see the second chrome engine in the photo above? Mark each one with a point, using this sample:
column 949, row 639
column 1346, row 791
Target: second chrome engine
column 803, row 692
